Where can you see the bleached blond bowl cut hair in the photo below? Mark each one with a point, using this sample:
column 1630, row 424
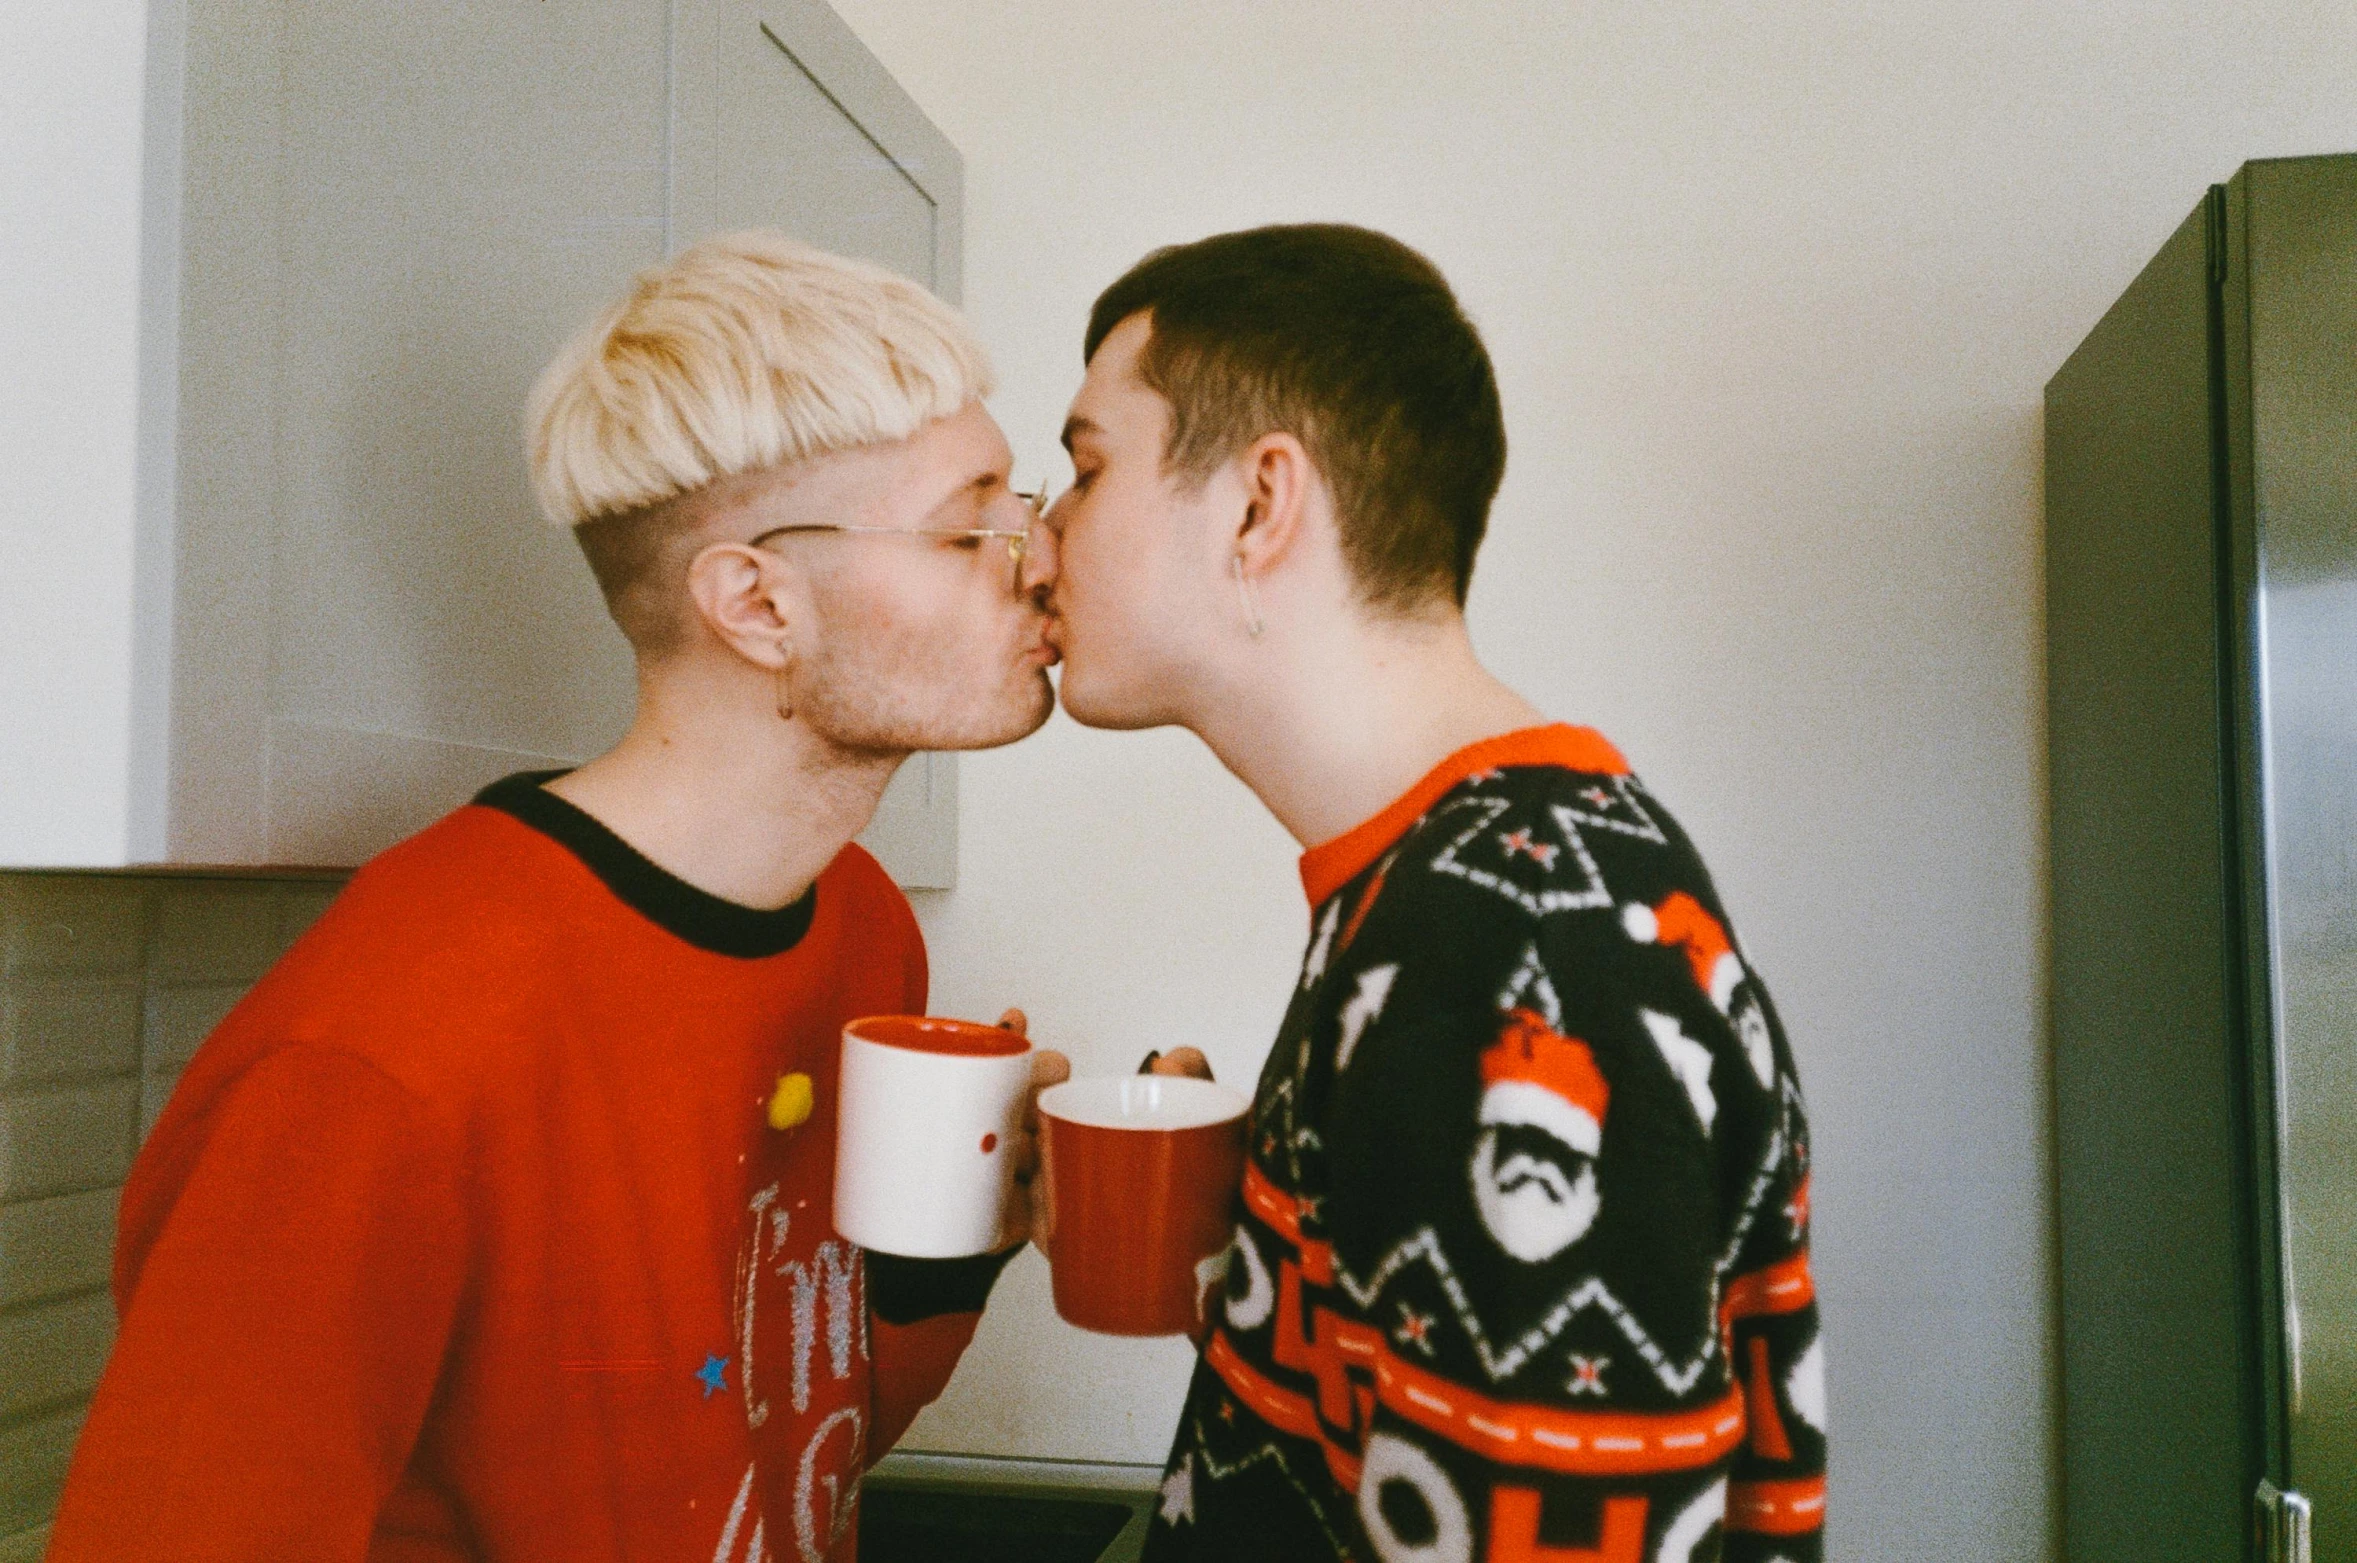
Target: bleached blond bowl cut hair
column 742, row 353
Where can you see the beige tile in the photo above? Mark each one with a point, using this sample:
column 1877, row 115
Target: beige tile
column 300, row 905
column 65, row 1139
column 55, row 1247
column 154, row 1092
column 33, row 1458
column 179, row 1020
column 72, row 923
column 58, row 1028
column 213, row 930
column 52, row 1355
column 25, row 1546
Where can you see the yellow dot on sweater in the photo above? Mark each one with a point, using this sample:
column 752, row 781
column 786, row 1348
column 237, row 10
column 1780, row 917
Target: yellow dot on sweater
column 789, row 1107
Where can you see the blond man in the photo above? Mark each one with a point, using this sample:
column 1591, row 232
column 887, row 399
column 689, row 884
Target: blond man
column 495, row 1222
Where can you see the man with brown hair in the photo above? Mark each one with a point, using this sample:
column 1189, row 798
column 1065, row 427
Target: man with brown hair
column 1520, row 1270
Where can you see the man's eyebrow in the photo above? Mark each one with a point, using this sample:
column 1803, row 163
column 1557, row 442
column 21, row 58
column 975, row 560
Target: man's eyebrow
column 1077, row 426
column 978, row 488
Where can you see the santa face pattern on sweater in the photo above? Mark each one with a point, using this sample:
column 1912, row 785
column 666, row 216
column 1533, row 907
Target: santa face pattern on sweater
column 1521, row 1265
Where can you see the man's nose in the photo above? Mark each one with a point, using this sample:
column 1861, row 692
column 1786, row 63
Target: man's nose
column 1037, row 577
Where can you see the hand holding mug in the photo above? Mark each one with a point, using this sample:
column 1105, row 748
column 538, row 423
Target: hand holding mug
column 1185, row 1062
column 1026, row 1211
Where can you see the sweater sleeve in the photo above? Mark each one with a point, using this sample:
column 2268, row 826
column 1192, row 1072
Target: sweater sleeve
column 1618, row 1365
column 922, row 1315
column 283, row 1319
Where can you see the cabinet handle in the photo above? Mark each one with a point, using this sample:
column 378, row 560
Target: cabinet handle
column 2283, row 1525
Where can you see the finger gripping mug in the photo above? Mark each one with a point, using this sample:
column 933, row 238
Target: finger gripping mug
column 929, row 1113
column 1143, row 1173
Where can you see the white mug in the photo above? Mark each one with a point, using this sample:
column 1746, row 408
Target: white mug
column 928, row 1115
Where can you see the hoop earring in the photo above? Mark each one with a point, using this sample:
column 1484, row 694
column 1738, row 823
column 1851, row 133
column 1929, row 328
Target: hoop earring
column 785, row 695
column 1252, row 622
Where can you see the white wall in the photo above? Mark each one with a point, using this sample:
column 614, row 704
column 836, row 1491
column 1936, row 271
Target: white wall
column 1773, row 292
column 71, row 88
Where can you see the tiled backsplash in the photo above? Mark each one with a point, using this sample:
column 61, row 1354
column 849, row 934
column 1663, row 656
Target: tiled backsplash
column 107, row 984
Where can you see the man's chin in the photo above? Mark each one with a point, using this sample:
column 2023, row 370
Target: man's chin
column 1020, row 722
column 1093, row 707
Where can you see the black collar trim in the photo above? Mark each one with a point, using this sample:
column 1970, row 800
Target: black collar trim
column 662, row 897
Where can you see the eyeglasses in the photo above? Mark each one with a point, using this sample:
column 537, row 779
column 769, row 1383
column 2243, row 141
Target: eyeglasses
column 1036, row 501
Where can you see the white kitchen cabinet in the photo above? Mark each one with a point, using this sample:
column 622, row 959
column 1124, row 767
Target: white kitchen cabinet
column 362, row 231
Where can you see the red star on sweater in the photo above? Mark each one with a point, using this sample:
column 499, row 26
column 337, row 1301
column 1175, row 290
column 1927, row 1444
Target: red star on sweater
column 1522, row 843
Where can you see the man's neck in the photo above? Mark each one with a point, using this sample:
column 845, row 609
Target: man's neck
column 1329, row 730
column 748, row 810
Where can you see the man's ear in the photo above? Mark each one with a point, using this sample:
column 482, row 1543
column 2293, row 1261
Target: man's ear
column 743, row 595
column 1279, row 480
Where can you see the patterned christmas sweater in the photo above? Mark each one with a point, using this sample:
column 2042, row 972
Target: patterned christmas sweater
column 1521, row 1266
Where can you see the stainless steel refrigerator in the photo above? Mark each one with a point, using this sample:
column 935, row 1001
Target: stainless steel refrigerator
column 2201, row 578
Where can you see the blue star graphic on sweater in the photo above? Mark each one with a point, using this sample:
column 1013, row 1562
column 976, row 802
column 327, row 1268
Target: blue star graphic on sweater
column 713, row 1375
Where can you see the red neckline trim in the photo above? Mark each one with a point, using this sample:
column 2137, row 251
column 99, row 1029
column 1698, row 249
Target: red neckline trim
column 1328, row 867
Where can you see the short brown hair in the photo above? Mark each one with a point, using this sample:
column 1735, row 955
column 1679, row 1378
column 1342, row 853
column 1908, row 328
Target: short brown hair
column 1352, row 342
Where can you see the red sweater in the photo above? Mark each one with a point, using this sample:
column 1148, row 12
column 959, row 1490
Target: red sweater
column 466, row 1235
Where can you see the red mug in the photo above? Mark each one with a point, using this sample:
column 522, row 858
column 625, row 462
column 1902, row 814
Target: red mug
column 1143, row 1174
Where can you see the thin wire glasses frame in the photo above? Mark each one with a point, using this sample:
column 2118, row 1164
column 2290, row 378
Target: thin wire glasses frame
column 1036, row 501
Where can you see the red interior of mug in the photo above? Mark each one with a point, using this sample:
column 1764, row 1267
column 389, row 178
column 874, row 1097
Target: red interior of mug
column 932, row 1034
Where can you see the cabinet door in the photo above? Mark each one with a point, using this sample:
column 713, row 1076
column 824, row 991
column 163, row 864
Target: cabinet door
column 394, row 214
column 809, row 135
column 391, row 218
column 2154, row 1426
column 2297, row 521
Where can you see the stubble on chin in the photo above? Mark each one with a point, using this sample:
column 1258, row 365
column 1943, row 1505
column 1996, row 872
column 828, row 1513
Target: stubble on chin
column 903, row 703
column 1031, row 717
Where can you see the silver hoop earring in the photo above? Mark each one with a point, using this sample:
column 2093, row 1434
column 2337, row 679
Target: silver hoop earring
column 1252, row 622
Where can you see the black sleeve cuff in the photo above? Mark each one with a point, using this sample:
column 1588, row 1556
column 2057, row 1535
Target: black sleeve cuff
column 902, row 1291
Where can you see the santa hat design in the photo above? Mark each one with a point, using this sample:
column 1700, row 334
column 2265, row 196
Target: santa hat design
column 1681, row 921
column 1536, row 1076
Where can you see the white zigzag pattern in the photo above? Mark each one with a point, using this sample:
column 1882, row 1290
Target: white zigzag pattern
column 1591, row 896
column 1590, row 1293
column 1270, row 1454
column 1677, row 1376
column 1644, row 828
column 1530, row 978
column 1290, row 1133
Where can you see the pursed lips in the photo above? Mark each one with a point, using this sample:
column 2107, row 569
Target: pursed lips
column 1049, row 646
